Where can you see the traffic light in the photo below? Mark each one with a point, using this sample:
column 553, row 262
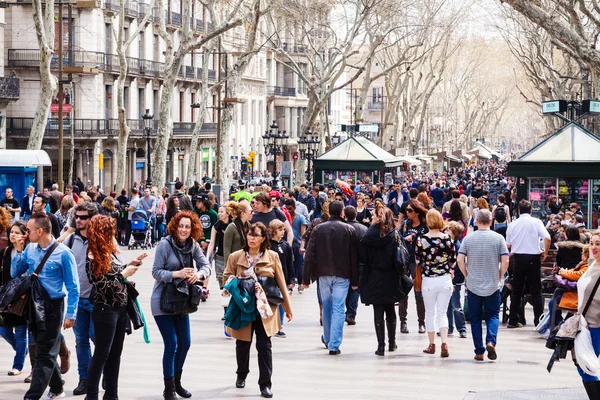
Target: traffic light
column 100, row 161
column 250, row 158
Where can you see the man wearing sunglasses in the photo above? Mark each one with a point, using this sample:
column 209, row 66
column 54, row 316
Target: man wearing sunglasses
column 84, row 327
column 39, row 206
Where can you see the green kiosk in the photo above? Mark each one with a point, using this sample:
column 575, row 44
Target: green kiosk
column 566, row 164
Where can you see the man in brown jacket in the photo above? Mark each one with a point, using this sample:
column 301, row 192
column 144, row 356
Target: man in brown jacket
column 332, row 258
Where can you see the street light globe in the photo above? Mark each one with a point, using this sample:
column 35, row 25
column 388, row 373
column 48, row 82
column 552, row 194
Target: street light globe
column 147, row 119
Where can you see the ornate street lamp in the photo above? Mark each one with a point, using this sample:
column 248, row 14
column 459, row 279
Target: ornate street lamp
column 309, row 148
column 275, row 142
column 148, row 128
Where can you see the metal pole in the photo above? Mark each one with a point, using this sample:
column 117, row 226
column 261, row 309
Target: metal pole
column 60, row 99
column 149, row 177
column 218, row 180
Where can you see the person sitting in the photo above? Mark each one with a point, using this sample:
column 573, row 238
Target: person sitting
column 569, row 251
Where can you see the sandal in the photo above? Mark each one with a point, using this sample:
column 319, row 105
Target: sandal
column 430, row 349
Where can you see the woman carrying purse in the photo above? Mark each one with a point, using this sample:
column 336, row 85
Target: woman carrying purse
column 174, row 259
column 107, row 272
column 255, row 259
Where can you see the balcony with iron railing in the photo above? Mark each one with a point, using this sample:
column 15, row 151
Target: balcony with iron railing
column 281, row 91
column 103, row 127
column 375, row 105
column 10, row 88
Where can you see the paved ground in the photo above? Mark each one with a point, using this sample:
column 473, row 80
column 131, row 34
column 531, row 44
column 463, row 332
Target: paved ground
column 303, row 368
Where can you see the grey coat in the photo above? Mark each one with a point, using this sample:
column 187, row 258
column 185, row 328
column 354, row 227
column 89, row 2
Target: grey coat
column 165, row 262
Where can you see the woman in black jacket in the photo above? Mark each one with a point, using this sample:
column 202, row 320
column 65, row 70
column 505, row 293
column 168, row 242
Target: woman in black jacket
column 569, row 251
column 380, row 281
column 286, row 255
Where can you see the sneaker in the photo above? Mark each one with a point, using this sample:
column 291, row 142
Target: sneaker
column 518, row 325
column 450, row 333
column 335, row 352
column 280, row 334
column 50, row 396
column 463, row 335
column 300, row 289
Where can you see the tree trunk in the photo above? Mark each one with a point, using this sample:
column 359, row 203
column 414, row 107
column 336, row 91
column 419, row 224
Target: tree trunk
column 310, row 116
column 165, row 126
column 44, row 28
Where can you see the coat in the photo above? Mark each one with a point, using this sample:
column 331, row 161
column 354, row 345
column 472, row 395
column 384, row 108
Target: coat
column 268, row 265
column 568, row 254
column 332, row 251
column 379, row 283
column 569, row 299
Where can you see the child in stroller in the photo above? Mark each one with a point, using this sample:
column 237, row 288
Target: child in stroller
column 141, row 230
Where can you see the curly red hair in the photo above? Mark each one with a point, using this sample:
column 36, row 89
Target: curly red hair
column 101, row 233
column 197, row 231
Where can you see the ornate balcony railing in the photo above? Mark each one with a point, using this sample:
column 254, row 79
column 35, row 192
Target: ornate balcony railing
column 281, row 91
column 10, row 88
column 103, row 127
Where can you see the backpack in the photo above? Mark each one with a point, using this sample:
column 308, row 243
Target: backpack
column 500, row 214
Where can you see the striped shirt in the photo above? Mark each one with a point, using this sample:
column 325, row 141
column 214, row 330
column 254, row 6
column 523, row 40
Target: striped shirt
column 483, row 249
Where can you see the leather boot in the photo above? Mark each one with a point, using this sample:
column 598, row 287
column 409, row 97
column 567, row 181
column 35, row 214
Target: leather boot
column 65, row 357
column 380, row 332
column 592, row 389
column 391, row 328
column 32, row 361
column 421, row 313
column 179, row 389
column 169, row 392
column 321, row 314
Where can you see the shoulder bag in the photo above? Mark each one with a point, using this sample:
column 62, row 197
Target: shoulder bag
column 402, row 260
column 179, row 297
column 562, row 338
column 16, row 294
column 271, row 289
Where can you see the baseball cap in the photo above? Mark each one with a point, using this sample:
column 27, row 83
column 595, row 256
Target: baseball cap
column 580, row 225
column 275, row 193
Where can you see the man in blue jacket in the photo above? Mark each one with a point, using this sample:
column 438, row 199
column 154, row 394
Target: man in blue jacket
column 58, row 277
column 437, row 195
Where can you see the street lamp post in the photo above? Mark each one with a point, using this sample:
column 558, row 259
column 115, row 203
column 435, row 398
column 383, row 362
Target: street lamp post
column 148, row 128
column 309, row 148
column 275, row 142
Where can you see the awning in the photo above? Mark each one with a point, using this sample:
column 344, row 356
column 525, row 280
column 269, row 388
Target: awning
column 24, row 158
column 454, row 158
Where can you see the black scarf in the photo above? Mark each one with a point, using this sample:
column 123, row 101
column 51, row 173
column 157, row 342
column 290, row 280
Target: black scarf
column 183, row 251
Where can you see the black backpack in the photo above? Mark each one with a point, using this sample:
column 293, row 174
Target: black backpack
column 500, row 214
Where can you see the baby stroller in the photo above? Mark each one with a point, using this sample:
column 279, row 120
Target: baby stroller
column 141, row 230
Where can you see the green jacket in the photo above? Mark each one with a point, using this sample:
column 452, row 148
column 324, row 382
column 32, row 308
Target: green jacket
column 242, row 307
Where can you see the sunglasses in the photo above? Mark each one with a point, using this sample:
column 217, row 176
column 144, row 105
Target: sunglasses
column 410, row 210
column 253, row 234
column 83, row 217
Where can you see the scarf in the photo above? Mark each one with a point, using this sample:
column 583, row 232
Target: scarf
column 184, row 250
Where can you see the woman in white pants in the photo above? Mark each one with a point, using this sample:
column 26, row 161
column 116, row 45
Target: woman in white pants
column 436, row 256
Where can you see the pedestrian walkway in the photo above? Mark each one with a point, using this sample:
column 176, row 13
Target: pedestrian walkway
column 547, row 394
column 303, row 369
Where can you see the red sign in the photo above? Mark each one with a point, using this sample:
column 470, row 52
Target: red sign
column 295, row 156
column 54, row 108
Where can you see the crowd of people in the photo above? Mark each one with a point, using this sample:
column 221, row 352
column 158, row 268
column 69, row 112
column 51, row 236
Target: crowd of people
column 461, row 230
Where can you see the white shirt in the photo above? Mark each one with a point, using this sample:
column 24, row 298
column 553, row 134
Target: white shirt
column 524, row 235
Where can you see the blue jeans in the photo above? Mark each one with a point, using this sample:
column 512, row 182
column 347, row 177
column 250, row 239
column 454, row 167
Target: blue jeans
column 175, row 331
column 595, row 333
column 84, row 332
column 17, row 338
column 352, row 302
column 455, row 312
column 161, row 231
column 298, row 264
column 492, row 318
column 281, row 314
column 333, row 294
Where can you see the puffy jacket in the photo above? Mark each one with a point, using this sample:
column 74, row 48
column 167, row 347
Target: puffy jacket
column 379, row 283
column 568, row 254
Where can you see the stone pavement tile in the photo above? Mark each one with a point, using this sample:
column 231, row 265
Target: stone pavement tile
column 304, row 370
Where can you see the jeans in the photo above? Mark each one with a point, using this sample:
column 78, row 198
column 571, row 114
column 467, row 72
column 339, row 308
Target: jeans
column 17, row 338
column 128, row 232
column 455, row 312
column 153, row 225
column 84, row 332
column 46, row 371
column 333, row 295
column 352, row 302
column 219, row 269
column 491, row 304
column 109, row 330
column 595, row 333
column 162, row 228
column 436, row 295
column 281, row 315
column 298, row 264
column 265, row 355
column 527, row 268
column 175, row 331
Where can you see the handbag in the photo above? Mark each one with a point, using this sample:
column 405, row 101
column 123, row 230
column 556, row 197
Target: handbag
column 271, row 289
column 133, row 310
column 16, row 294
column 179, row 297
column 562, row 337
column 402, row 255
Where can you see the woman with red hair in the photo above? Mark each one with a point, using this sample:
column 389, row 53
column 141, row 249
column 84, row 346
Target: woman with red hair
column 175, row 257
column 107, row 272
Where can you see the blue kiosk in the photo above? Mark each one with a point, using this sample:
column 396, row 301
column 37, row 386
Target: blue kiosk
column 22, row 168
